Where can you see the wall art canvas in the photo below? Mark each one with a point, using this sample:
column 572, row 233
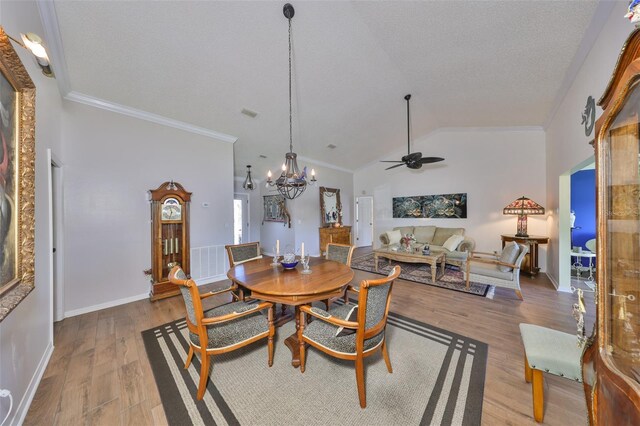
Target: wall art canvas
column 17, row 178
column 442, row 206
column 274, row 208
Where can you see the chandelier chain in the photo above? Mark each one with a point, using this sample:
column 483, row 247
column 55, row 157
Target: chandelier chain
column 290, row 113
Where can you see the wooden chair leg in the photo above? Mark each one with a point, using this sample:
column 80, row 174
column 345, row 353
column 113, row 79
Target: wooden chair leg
column 527, row 370
column 189, row 357
column 537, row 386
column 303, row 354
column 362, row 392
column 271, row 333
column 519, row 294
column 204, row 375
column 326, row 304
column 385, row 355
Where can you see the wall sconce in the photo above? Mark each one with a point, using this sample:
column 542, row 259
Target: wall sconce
column 33, row 43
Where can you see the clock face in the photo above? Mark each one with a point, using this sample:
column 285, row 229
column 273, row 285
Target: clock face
column 171, row 209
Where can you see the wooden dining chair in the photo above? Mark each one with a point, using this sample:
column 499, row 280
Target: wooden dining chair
column 340, row 253
column 351, row 332
column 224, row 328
column 241, row 253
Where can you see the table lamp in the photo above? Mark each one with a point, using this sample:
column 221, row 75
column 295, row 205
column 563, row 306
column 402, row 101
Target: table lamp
column 522, row 207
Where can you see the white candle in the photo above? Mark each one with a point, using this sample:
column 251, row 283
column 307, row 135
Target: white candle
column 277, row 246
column 302, row 251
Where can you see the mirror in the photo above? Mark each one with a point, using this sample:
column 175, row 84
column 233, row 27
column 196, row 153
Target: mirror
column 330, row 206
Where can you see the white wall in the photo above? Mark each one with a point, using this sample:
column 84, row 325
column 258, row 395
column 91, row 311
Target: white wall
column 567, row 145
column 111, row 160
column 493, row 166
column 26, row 333
column 305, row 211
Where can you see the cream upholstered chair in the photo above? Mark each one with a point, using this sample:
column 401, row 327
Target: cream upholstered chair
column 591, row 245
column 222, row 329
column 549, row 351
column 367, row 337
column 497, row 269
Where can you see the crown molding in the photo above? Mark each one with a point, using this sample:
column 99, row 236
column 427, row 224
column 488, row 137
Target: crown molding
column 147, row 116
column 53, row 39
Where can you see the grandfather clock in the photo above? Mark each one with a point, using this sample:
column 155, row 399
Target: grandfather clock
column 169, row 236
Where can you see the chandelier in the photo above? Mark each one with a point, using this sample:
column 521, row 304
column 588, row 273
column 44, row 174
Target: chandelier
column 291, row 183
column 248, row 182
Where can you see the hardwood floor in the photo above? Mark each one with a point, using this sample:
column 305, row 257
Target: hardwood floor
column 99, row 372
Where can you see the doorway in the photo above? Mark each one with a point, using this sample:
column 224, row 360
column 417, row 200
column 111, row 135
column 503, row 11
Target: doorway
column 364, row 221
column 56, row 237
column 240, row 218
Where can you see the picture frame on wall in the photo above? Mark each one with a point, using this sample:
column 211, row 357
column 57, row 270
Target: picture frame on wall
column 17, row 179
column 441, row 206
column 275, row 210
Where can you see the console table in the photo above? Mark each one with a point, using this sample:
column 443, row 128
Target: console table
column 530, row 263
column 341, row 235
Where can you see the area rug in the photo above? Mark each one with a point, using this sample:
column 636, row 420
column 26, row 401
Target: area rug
column 438, row 378
column 421, row 273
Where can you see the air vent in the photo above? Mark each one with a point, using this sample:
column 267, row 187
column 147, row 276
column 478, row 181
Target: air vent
column 249, row 113
column 262, row 156
column 331, row 146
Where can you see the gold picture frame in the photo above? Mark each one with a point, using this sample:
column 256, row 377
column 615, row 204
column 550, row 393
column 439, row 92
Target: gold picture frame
column 17, row 178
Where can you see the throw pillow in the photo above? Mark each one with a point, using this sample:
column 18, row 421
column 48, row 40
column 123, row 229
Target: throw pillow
column 351, row 316
column 453, row 242
column 394, row 236
column 509, row 255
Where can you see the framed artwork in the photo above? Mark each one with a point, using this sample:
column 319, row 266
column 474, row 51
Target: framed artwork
column 442, row 206
column 17, row 179
column 275, row 209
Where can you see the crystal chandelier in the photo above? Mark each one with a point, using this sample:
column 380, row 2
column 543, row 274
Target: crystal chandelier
column 291, row 183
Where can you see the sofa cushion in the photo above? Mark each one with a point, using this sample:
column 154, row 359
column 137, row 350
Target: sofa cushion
column 394, row 236
column 489, row 270
column 443, row 234
column 404, row 230
column 424, row 234
column 453, row 242
column 509, row 255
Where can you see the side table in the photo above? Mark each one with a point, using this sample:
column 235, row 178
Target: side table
column 530, row 263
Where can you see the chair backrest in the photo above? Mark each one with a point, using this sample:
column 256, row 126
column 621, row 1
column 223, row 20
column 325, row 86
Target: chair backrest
column 241, row 252
column 340, row 253
column 374, row 300
column 591, row 245
column 524, row 249
column 190, row 294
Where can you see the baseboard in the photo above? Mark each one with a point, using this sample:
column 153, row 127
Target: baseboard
column 553, row 280
column 105, row 305
column 25, row 403
column 209, row 280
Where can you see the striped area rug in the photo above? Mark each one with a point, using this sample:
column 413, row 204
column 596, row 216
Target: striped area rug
column 438, row 379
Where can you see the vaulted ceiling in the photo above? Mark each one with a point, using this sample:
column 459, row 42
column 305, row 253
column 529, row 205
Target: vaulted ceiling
column 484, row 63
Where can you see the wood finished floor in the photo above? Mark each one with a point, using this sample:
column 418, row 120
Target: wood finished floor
column 99, row 372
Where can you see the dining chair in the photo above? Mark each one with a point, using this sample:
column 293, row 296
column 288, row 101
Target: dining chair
column 340, row 253
column 223, row 329
column 241, row 253
column 351, row 332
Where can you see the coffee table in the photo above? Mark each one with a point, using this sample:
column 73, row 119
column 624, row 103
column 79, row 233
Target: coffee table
column 413, row 257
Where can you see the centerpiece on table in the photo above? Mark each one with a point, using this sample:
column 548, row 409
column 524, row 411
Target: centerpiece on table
column 407, row 241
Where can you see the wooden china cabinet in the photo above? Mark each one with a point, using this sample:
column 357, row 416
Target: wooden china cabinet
column 169, row 236
column 611, row 364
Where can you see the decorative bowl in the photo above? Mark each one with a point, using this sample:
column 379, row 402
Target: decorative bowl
column 289, row 265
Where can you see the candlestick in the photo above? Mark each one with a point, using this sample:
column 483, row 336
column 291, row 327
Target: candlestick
column 277, row 247
column 302, row 251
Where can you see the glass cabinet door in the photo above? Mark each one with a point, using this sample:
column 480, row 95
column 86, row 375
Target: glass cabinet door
column 620, row 187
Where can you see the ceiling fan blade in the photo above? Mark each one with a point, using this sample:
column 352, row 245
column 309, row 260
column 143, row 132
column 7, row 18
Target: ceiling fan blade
column 393, row 167
column 427, row 160
column 391, row 161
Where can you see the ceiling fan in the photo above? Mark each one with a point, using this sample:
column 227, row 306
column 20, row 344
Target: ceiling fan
column 413, row 160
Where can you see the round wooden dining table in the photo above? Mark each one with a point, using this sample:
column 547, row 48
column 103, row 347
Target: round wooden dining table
column 327, row 279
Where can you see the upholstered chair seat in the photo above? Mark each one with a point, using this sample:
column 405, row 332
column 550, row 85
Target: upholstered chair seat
column 225, row 328
column 324, row 333
column 242, row 253
column 351, row 332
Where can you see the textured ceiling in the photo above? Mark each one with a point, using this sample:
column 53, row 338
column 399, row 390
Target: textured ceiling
column 485, row 63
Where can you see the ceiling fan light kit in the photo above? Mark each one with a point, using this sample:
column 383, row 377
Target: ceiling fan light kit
column 413, row 160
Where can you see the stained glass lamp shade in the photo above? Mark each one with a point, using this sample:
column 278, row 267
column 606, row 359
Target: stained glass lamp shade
column 523, row 207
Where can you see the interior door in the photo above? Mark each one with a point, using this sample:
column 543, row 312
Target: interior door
column 240, row 218
column 364, row 221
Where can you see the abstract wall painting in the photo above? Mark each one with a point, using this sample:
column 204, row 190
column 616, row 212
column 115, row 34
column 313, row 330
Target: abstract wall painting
column 441, row 206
